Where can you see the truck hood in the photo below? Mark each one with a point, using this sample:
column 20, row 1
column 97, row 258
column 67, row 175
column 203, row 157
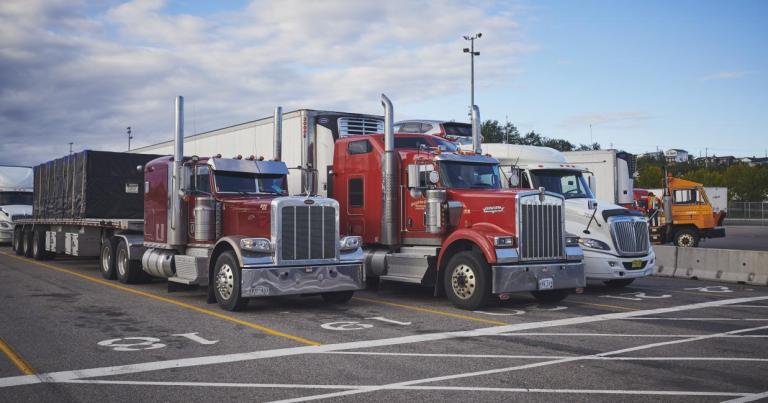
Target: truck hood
column 492, row 209
column 577, row 215
column 6, row 212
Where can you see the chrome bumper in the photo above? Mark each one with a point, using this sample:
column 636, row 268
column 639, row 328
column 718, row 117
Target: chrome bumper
column 525, row 277
column 271, row 281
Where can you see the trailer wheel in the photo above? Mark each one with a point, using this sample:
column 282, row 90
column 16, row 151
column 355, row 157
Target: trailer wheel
column 466, row 280
column 552, row 295
column 338, row 297
column 107, row 259
column 26, row 240
column 38, row 245
column 226, row 283
column 18, row 244
column 128, row 271
column 619, row 283
column 686, row 238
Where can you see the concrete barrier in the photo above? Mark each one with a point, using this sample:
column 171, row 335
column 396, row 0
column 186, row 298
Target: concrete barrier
column 733, row 266
column 666, row 260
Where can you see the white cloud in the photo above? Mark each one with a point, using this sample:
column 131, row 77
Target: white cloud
column 724, row 75
column 72, row 73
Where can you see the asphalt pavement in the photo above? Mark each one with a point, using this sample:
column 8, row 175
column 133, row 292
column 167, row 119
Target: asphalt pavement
column 742, row 237
column 69, row 335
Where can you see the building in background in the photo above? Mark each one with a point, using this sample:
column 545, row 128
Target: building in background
column 676, row 156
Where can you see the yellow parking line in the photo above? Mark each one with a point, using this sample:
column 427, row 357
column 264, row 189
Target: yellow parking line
column 432, row 311
column 619, row 307
column 156, row 297
column 16, row 359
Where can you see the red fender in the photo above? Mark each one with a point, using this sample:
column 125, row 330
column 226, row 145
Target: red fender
column 480, row 234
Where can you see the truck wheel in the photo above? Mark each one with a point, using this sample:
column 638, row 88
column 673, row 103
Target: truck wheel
column 226, row 283
column 107, row 259
column 18, row 244
column 466, row 280
column 619, row 283
column 38, row 245
column 128, row 271
column 338, row 297
column 552, row 295
column 686, row 238
column 26, row 240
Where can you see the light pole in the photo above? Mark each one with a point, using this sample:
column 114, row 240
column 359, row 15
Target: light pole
column 472, row 54
column 128, row 129
column 70, row 148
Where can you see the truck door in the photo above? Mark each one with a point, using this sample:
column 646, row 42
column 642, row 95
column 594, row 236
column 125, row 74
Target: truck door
column 352, row 187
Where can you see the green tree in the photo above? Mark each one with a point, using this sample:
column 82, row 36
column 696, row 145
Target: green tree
column 492, row 131
column 746, row 183
column 651, row 177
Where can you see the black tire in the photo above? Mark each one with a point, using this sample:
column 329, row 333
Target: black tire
column 127, row 271
column 686, row 238
column 107, row 259
column 18, row 243
column 466, row 280
column 619, row 283
column 338, row 297
column 26, row 240
column 226, row 282
column 38, row 245
column 551, row 296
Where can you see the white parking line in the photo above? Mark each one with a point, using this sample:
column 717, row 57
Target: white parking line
column 705, row 319
column 284, row 352
column 509, row 369
column 671, row 336
column 430, row 388
column 545, row 357
column 749, row 398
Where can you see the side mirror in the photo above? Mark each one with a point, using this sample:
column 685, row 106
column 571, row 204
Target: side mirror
column 592, row 204
column 413, row 177
column 514, row 178
column 592, row 183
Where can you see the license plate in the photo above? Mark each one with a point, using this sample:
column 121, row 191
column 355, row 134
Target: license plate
column 636, row 264
column 546, row 283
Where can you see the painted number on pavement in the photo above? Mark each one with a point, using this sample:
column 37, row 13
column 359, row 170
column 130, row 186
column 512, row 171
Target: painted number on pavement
column 636, row 296
column 148, row 343
column 355, row 325
column 712, row 288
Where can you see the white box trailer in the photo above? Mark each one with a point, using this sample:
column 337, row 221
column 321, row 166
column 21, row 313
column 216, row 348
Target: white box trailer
column 303, row 129
column 612, row 176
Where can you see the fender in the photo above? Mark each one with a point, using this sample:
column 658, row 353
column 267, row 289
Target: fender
column 474, row 236
column 233, row 242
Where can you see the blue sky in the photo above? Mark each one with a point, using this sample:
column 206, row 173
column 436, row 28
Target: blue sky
column 644, row 74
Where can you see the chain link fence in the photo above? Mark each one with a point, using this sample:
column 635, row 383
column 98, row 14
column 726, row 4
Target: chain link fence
column 747, row 213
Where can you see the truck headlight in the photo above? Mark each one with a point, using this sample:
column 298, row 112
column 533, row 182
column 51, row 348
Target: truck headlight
column 5, row 225
column 594, row 244
column 571, row 241
column 350, row 243
column 504, row 242
column 261, row 245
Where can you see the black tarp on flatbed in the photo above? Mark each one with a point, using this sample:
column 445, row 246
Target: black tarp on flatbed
column 90, row 184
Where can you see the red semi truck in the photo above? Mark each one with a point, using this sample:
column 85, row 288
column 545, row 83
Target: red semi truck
column 227, row 224
column 431, row 214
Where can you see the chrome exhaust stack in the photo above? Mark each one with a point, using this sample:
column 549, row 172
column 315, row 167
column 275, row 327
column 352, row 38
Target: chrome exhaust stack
column 476, row 131
column 177, row 229
column 277, row 154
column 390, row 231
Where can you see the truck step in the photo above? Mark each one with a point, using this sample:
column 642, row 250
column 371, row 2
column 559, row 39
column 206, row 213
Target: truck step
column 402, row 279
column 409, row 267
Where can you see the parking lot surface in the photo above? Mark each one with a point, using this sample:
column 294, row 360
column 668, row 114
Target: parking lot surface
column 69, row 335
column 742, row 237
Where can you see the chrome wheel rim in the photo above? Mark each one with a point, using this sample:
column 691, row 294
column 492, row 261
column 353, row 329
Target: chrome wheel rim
column 121, row 260
column 106, row 257
column 225, row 281
column 686, row 240
column 35, row 248
column 463, row 281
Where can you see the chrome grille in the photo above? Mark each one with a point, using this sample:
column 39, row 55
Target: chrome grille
column 630, row 237
column 541, row 231
column 308, row 233
column 349, row 126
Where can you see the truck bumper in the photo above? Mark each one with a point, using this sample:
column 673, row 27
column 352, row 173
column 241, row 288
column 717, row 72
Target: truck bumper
column 6, row 236
column 525, row 277
column 272, row 281
column 600, row 266
column 717, row 232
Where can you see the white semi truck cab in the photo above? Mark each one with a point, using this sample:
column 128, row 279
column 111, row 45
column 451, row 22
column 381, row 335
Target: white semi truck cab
column 615, row 240
column 15, row 198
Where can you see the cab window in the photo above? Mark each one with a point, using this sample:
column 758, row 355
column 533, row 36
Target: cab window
column 686, row 196
column 203, row 178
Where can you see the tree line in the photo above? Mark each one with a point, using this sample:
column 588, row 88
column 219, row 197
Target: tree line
column 744, row 182
column 495, row 132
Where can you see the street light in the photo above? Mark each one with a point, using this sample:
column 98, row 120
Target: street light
column 128, row 129
column 472, row 54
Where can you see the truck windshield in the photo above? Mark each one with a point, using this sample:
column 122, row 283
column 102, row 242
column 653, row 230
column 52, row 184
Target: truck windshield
column 570, row 184
column 9, row 198
column 245, row 183
column 461, row 175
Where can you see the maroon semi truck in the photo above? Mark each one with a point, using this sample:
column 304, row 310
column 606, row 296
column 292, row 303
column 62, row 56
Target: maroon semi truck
column 223, row 223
